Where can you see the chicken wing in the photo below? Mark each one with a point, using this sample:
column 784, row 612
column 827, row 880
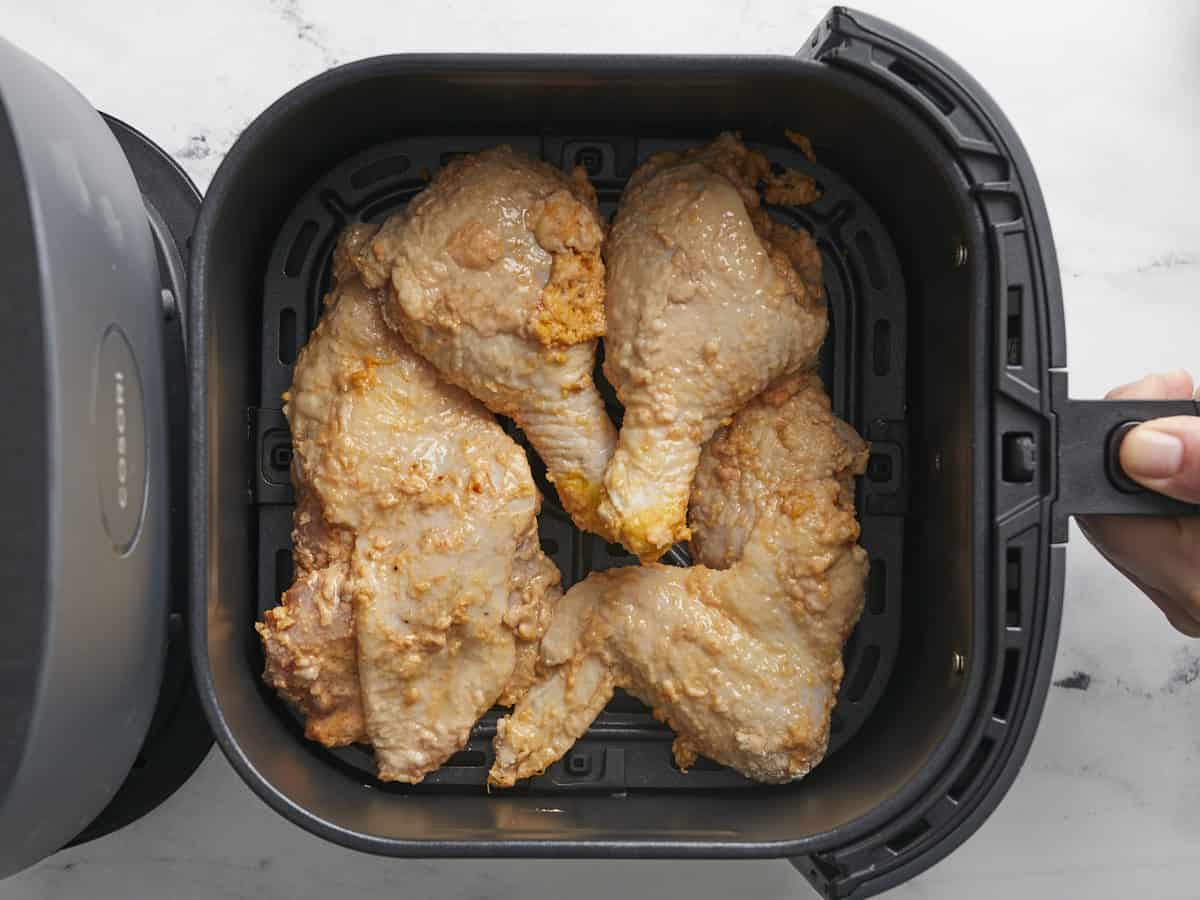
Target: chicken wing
column 708, row 302
column 494, row 275
column 441, row 586
column 740, row 654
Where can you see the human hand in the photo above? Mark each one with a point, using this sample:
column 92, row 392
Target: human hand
column 1159, row 555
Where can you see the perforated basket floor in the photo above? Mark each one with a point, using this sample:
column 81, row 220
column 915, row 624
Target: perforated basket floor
column 862, row 364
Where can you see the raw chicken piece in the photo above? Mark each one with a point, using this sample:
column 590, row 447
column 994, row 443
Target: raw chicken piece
column 494, row 275
column 308, row 640
column 535, row 592
column 708, row 302
column 743, row 662
column 309, row 644
column 441, row 586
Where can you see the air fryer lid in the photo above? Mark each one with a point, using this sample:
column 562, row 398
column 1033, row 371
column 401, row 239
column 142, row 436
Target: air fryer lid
column 83, row 465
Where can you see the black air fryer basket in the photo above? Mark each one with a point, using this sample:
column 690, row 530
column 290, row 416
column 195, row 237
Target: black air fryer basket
column 946, row 351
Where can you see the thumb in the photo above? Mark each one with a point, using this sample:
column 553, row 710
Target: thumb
column 1164, row 456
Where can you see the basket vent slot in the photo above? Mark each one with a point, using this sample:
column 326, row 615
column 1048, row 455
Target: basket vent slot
column 284, row 570
column 863, row 674
column 971, row 773
column 467, row 759
column 870, row 254
column 881, row 347
column 1008, row 684
column 877, row 588
column 388, row 167
column 288, row 338
column 1012, row 587
column 909, row 836
column 298, row 252
column 1015, row 351
column 906, row 72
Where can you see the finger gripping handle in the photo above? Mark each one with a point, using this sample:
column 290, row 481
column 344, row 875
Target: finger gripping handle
column 1114, row 469
column 1090, row 478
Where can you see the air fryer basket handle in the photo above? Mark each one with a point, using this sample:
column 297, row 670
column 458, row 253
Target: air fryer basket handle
column 1090, row 478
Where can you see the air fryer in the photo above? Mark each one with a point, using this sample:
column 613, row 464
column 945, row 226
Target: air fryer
column 946, row 351
column 101, row 717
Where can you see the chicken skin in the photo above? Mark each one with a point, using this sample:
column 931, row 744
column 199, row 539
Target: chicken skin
column 421, row 590
column 742, row 653
column 494, row 275
column 708, row 302
column 308, row 640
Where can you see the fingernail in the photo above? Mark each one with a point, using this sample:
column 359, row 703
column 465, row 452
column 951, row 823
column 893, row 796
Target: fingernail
column 1147, row 453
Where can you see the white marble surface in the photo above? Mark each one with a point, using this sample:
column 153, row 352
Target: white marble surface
column 1108, row 104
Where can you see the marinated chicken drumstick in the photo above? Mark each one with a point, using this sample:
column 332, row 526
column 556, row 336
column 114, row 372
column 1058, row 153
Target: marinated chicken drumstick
column 494, row 275
column 708, row 302
column 432, row 591
column 743, row 662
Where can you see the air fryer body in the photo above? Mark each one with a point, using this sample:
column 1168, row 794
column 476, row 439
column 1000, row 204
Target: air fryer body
column 101, row 720
column 85, row 370
column 978, row 603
